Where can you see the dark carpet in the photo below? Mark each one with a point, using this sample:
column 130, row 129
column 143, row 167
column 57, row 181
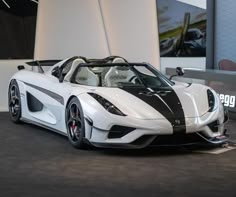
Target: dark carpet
column 36, row 162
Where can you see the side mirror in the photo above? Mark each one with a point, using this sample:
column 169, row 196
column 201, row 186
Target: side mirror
column 179, row 72
column 20, row 67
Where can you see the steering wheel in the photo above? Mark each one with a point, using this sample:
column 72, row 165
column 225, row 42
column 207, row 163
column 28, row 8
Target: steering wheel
column 132, row 79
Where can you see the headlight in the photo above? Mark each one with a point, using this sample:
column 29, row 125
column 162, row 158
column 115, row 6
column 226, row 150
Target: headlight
column 106, row 104
column 211, row 101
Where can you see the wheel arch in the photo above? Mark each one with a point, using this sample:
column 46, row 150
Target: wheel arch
column 11, row 80
column 69, row 99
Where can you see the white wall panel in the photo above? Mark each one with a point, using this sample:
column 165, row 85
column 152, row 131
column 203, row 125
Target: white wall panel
column 8, row 68
column 184, row 62
column 131, row 27
column 70, row 27
column 76, row 27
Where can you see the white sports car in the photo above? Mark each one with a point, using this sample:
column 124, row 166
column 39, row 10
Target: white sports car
column 113, row 103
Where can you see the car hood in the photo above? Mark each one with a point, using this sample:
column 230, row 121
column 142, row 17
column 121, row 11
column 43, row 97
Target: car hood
column 177, row 102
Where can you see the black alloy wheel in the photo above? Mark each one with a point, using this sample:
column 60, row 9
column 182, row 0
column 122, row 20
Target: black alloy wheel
column 14, row 101
column 75, row 123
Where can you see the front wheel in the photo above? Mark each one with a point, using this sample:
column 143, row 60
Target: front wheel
column 14, row 101
column 75, row 123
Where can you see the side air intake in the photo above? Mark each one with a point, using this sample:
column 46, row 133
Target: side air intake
column 34, row 105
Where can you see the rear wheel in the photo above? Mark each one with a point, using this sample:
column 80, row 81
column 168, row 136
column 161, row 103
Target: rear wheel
column 14, row 101
column 75, row 123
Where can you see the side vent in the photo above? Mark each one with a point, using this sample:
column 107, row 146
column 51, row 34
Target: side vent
column 20, row 67
column 34, row 105
column 118, row 131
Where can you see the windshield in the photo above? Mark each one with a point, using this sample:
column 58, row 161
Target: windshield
column 119, row 75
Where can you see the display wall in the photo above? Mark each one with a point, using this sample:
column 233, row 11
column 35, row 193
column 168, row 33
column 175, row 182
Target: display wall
column 97, row 28
column 131, row 27
column 186, row 33
column 71, row 28
column 92, row 28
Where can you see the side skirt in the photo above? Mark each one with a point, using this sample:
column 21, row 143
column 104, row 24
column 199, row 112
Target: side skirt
column 43, row 126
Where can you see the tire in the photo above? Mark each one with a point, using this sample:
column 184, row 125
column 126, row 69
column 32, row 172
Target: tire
column 14, row 102
column 74, row 119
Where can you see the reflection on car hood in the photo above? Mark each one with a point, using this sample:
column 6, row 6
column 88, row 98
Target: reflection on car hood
column 178, row 101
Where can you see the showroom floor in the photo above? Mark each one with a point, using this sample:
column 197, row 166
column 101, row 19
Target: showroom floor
column 36, row 162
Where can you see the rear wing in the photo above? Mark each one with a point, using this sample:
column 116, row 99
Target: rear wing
column 40, row 64
column 43, row 62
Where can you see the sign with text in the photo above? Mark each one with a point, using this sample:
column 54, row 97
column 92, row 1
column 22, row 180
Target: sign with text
column 227, row 100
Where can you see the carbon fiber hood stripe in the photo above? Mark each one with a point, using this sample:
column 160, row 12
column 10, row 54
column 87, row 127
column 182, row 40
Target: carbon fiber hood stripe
column 165, row 101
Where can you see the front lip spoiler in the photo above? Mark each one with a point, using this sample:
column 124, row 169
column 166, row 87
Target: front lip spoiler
column 215, row 140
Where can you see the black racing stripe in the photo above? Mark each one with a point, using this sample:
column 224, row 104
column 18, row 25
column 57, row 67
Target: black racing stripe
column 165, row 101
column 53, row 95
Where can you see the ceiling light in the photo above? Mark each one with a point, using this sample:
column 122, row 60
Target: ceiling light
column 6, row 3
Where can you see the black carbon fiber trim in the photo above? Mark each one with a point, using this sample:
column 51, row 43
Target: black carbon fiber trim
column 165, row 101
column 53, row 95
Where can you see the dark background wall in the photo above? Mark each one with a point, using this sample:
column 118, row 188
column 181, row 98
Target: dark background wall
column 17, row 29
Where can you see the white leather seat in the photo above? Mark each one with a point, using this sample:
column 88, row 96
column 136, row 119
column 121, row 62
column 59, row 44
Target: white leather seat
column 117, row 74
column 72, row 69
column 118, row 60
column 85, row 76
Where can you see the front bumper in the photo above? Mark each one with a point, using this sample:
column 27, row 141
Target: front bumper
column 142, row 137
column 168, row 141
column 138, row 133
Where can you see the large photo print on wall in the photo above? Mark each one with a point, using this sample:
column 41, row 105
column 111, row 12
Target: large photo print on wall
column 182, row 29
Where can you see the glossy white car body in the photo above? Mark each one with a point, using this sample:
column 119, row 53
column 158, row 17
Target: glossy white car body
column 147, row 122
